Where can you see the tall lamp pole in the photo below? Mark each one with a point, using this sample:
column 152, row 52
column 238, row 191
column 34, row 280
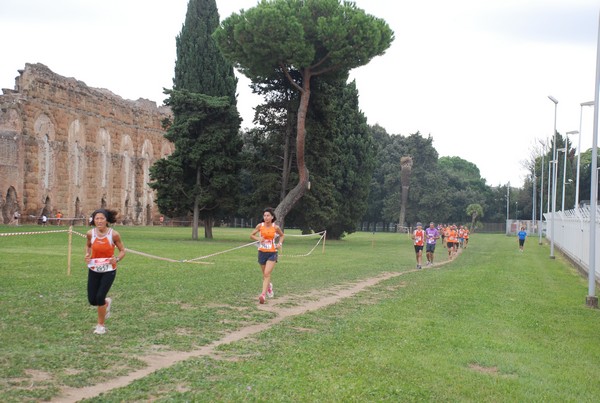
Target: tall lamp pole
column 541, row 224
column 563, row 150
column 533, row 198
column 554, row 177
column 507, row 206
column 549, row 184
column 565, row 169
column 589, row 103
column 592, row 300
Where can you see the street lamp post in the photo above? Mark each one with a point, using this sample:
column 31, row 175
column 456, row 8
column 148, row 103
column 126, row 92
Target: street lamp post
column 533, row 198
column 565, row 169
column 542, row 198
column 589, row 103
column 563, row 150
column 507, row 206
column 554, row 175
column 592, row 300
column 549, row 184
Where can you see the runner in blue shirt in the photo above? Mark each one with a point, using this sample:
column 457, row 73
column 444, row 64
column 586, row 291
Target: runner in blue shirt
column 522, row 235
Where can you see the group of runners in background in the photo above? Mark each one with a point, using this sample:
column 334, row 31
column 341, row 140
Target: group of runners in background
column 452, row 237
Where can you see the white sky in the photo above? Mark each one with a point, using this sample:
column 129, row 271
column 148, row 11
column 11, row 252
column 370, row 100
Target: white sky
column 474, row 74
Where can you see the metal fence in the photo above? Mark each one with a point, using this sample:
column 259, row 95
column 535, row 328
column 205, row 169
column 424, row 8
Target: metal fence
column 572, row 234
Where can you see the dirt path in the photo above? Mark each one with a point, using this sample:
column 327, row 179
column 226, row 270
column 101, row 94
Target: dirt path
column 155, row 362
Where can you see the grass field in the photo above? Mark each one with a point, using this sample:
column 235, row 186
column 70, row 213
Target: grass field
column 493, row 325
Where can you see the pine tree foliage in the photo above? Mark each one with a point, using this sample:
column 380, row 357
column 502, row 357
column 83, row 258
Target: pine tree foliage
column 301, row 40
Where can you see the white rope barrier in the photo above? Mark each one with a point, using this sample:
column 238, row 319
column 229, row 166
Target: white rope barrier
column 219, row 253
column 135, row 252
column 32, row 232
column 322, row 233
column 194, row 260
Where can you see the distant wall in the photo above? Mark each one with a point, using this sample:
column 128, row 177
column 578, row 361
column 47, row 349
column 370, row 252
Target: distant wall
column 71, row 148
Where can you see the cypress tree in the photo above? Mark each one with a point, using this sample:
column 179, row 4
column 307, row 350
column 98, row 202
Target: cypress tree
column 200, row 66
column 200, row 177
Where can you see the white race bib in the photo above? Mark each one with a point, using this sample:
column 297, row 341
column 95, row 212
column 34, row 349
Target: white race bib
column 101, row 265
column 266, row 244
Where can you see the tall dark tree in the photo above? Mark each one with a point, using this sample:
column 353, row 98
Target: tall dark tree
column 341, row 153
column 406, row 163
column 585, row 176
column 201, row 175
column 426, row 201
column 272, row 143
column 301, row 40
column 464, row 185
column 377, row 188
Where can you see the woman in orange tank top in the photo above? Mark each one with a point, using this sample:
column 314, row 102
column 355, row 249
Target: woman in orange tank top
column 101, row 262
column 270, row 238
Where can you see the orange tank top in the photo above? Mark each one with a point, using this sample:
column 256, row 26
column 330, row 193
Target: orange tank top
column 103, row 249
column 103, row 246
column 452, row 236
column 267, row 235
column 419, row 237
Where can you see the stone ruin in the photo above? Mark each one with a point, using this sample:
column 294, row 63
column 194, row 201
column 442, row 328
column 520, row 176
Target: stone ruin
column 71, row 148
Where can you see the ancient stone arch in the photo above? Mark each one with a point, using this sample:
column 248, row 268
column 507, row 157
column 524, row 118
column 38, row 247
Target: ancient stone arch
column 147, row 156
column 68, row 147
column 103, row 144
column 44, row 131
column 9, row 205
column 128, row 178
column 76, row 144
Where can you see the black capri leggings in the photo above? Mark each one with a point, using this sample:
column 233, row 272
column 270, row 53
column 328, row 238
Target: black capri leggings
column 98, row 286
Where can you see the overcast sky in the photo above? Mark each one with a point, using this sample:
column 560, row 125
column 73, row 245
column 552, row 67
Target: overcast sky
column 473, row 74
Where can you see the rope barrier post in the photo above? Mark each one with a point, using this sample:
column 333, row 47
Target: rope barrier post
column 69, row 250
column 324, row 238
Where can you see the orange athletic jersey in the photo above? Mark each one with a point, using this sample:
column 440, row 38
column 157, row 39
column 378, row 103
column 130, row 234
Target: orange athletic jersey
column 267, row 235
column 102, row 247
column 419, row 237
column 466, row 234
column 451, row 235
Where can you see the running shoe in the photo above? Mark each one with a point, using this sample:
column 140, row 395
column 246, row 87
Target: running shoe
column 261, row 299
column 270, row 293
column 99, row 329
column 108, row 304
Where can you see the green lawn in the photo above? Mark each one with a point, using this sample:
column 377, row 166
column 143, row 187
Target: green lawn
column 493, row 325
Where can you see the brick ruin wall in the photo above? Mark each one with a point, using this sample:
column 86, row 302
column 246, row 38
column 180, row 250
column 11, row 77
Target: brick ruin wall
column 71, row 148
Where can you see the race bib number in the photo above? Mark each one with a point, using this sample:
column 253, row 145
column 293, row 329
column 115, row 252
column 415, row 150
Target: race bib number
column 101, row 265
column 266, row 244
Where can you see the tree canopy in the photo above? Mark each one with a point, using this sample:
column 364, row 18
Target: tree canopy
column 301, row 39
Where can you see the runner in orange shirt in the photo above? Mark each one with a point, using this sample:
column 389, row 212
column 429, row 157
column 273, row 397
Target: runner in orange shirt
column 466, row 236
column 102, row 262
column 418, row 237
column 270, row 239
column 451, row 239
